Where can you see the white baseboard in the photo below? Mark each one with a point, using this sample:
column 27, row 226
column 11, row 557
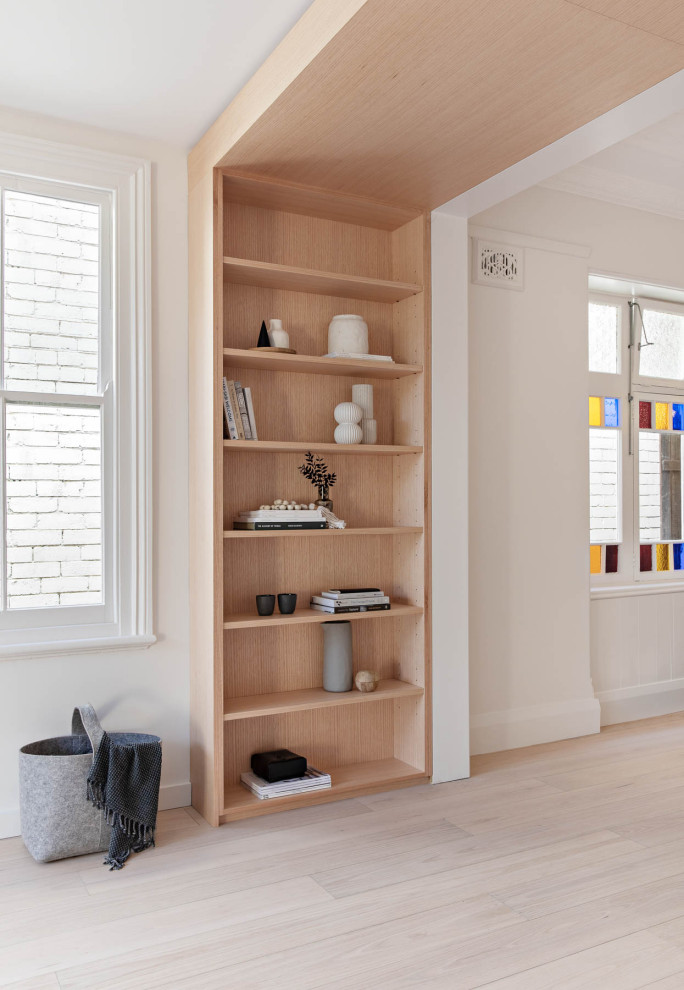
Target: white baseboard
column 9, row 823
column 513, row 728
column 643, row 701
column 174, row 796
column 170, row 796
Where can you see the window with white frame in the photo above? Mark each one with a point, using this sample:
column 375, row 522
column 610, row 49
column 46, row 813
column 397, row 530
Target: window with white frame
column 636, row 432
column 74, row 396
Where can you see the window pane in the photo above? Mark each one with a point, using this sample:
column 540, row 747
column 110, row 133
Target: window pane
column 54, row 505
column 51, row 300
column 604, row 338
column 603, row 486
column 660, row 486
column 661, row 354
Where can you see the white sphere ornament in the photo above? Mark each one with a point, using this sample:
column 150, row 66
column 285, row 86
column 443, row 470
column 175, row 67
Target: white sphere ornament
column 347, row 412
column 348, row 433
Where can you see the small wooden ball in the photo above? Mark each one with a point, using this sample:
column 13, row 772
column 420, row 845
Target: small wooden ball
column 366, row 681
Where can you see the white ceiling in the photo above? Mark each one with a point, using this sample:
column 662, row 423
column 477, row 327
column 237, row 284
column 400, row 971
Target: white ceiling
column 645, row 171
column 164, row 69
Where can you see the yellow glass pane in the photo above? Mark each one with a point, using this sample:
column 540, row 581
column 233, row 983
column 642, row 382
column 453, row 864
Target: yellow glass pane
column 594, row 560
column 662, row 416
column 595, row 410
column 663, row 556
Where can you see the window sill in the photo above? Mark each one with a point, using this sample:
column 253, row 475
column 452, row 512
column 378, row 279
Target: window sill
column 22, row 651
column 637, row 590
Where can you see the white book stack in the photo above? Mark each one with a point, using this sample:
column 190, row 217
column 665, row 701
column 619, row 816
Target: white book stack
column 313, row 780
column 280, row 519
column 339, row 601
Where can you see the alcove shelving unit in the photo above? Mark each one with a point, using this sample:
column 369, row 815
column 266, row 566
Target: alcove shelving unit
column 304, row 255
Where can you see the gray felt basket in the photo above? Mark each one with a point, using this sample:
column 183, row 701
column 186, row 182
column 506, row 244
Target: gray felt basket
column 57, row 820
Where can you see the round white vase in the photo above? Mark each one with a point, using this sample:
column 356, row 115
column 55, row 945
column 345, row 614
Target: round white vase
column 347, row 412
column 348, row 433
column 348, row 334
column 278, row 336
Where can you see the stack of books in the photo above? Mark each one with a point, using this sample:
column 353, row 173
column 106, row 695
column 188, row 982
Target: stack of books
column 238, row 411
column 280, row 519
column 313, row 780
column 339, row 601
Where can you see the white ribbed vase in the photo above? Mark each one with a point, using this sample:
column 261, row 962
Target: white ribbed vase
column 362, row 395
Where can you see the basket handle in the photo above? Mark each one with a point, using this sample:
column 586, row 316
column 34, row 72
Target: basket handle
column 85, row 722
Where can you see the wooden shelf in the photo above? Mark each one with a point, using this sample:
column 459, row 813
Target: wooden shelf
column 355, row 779
column 317, row 534
column 301, row 446
column 251, row 190
column 259, row 705
column 266, row 360
column 270, row 276
column 249, row 620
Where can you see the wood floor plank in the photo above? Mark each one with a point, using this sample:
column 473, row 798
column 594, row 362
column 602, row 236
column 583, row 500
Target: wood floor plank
column 639, row 867
column 622, row 964
column 50, row 951
column 48, row 981
column 297, row 928
column 479, row 877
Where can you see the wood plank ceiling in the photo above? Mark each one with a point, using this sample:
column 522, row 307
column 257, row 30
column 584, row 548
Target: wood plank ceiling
column 415, row 101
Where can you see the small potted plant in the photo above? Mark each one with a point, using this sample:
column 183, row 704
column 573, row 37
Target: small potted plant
column 316, row 471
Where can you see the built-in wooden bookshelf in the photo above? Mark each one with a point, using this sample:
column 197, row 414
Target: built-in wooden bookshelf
column 304, row 255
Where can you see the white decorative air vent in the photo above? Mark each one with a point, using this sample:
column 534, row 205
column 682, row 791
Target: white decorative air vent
column 498, row 264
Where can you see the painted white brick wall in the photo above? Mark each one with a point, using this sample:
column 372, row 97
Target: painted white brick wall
column 603, row 486
column 51, row 294
column 53, row 472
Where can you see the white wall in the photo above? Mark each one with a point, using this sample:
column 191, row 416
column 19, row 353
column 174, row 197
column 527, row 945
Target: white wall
column 145, row 690
column 530, row 599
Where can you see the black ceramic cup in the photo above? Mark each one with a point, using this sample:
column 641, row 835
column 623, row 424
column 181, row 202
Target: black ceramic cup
column 265, row 604
column 287, row 604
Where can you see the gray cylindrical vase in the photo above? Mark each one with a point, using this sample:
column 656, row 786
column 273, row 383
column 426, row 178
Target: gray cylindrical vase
column 338, row 667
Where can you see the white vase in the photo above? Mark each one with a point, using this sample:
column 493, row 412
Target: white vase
column 369, row 430
column 362, row 395
column 347, row 415
column 348, row 334
column 276, row 334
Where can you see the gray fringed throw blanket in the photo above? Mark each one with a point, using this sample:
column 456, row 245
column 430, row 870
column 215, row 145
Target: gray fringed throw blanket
column 124, row 782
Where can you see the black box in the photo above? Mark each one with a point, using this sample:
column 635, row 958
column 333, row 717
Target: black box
column 280, row 764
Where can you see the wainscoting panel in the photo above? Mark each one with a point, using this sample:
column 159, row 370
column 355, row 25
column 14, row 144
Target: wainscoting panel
column 637, row 655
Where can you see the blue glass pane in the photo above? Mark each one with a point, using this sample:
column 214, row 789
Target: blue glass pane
column 678, row 415
column 678, row 556
column 611, row 412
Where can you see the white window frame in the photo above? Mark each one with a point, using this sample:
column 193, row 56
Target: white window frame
column 121, row 187
column 630, row 580
column 616, row 384
column 643, row 382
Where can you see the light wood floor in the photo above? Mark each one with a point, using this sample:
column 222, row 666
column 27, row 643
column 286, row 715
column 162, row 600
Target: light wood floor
column 558, row 867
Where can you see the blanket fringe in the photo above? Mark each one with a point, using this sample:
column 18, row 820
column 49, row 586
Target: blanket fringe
column 141, row 834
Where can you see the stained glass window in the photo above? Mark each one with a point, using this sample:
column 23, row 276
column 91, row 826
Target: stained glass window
column 611, row 559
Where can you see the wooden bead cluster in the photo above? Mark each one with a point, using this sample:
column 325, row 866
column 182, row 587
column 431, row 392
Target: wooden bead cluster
column 281, row 503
